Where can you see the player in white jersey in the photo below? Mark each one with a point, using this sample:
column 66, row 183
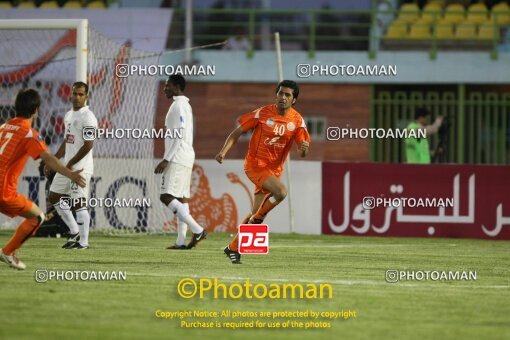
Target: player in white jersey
column 177, row 164
column 77, row 153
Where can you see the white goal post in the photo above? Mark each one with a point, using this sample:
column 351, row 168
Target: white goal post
column 81, row 26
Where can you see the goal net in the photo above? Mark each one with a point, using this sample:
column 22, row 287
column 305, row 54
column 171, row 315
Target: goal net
column 123, row 189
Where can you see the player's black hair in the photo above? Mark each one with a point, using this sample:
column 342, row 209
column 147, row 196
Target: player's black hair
column 421, row 112
column 27, row 102
column 291, row 85
column 177, row 79
column 81, row 84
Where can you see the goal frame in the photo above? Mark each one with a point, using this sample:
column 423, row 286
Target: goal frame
column 80, row 25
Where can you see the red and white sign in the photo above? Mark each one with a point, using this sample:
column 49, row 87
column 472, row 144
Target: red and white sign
column 480, row 209
column 253, row 239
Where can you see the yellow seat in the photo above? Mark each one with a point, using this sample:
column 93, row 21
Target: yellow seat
column 466, row 31
column 5, row 5
column 444, row 30
column 96, row 5
column 49, row 4
column 26, row 4
column 454, row 13
column 501, row 13
column 420, row 31
column 439, row 2
column 488, row 31
column 73, row 4
column 431, row 12
column 408, row 13
column 477, row 13
column 396, row 30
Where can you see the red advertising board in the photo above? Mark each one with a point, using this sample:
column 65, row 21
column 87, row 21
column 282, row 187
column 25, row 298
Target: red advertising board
column 469, row 201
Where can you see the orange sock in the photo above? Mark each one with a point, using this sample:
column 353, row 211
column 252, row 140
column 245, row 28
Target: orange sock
column 22, row 233
column 233, row 245
column 265, row 207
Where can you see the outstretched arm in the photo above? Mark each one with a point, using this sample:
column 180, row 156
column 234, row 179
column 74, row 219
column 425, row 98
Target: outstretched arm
column 231, row 140
column 53, row 163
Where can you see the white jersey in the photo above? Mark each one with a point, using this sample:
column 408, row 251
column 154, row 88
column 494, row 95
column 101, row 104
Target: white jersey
column 75, row 122
column 180, row 117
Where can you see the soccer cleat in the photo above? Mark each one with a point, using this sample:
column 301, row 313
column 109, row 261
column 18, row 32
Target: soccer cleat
column 197, row 238
column 72, row 240
column 80, row 247
column 175, row 246
column 234, row 256
column 12, row 261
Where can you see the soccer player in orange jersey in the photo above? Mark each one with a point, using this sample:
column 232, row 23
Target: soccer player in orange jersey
column 275, row 128
column 18, row 141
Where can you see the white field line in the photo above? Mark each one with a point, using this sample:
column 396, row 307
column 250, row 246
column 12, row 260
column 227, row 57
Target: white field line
column 334, row 282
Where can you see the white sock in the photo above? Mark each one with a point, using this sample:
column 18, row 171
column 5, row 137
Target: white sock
column 182, row 227
column 83, row 219
column 183, row 213
column 68, row 218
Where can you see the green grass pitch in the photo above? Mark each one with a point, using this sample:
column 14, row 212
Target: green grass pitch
column 354, row 266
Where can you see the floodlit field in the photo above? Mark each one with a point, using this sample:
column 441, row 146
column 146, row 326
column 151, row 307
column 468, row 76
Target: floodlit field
column 355, row 267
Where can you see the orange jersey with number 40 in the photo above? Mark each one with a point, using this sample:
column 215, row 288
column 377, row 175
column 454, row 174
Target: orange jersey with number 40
column 273, row 136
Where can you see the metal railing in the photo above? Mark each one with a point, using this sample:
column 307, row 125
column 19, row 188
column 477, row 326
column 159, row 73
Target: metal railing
column 309, row 30
column 478, row 130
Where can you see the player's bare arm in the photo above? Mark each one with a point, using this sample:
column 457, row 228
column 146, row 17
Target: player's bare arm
column 53, row 163
column 231, row 140
column 303, row 148
column 84, row 150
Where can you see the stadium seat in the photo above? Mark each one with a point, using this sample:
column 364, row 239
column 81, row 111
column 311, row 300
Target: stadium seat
column 454, row 13
column 444, row 30
column 465, row 31
column 431, row 12
column 501, row 13
column 96, row 5
column 396, row 30
column 49, row 4
column 408, row 13
column 73, row 4
column 26, row 4
column 487, row 31
column 477, row 13
column 420, row 31
column 439, row 2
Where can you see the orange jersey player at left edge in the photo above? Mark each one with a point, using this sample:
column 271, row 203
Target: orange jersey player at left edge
column 18, row 141
column 275, row 128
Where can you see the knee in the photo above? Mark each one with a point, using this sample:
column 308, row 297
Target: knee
column 164, row 199
column 280, row 194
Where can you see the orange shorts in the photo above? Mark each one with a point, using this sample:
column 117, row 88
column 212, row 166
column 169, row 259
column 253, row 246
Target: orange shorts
column 259, row 175
column 16, row 206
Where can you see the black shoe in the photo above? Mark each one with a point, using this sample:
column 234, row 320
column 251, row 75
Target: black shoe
column 234, row 256
column 175, row 246
column 72, row 240
column 255, row 221
column 197, row 238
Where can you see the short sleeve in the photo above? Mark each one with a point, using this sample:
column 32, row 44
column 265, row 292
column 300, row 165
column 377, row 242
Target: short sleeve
column 35, row 146
column 89, row 120
column 302, row 134
column 249, row 120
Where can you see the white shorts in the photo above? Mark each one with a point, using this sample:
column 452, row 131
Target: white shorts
column 176, row 180
column 63, row 185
